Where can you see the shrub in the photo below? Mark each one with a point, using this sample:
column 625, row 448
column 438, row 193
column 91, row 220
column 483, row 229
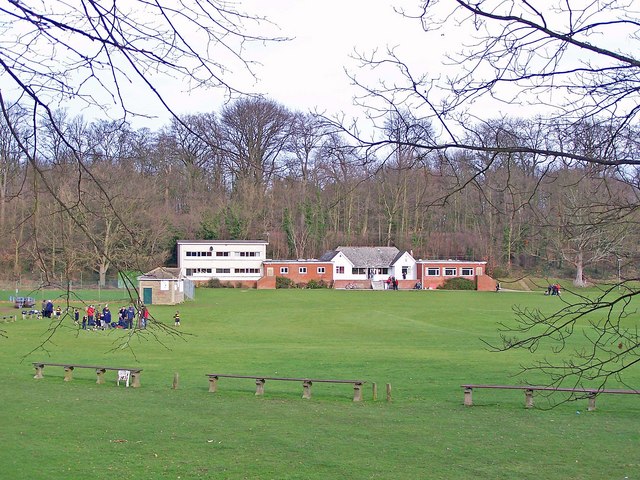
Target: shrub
column 458, row 283
column 284, row 282
column 213, row 283
column 317, row 284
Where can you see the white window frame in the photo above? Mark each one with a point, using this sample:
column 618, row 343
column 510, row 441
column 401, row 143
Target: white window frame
column 450, row 271
column 284, row 270
column 436, row 272
column 302, row 270
column 466, row 272
column 321, row 270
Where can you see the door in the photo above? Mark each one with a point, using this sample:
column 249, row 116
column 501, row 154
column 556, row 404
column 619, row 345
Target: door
column 147, row 296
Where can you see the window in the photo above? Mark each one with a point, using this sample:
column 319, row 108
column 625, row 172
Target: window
column 249, row 254
column 198, row 254
column 302, row 270
column 467, row 272
column 320, row 270
column 191, row 271
column 284, row 270
column 247, row 270
column 433, row 271
column 223, row 270
column 339, row 269
column 450, row 271
column 357, row 271
column 222, row 254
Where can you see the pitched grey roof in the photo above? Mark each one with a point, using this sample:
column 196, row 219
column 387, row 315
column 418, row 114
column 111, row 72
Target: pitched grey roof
column 161, row 273
column 328, row 256
column 376, row 257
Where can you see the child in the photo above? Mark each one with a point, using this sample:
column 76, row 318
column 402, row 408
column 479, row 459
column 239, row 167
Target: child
column 176, row 317
column 84, row 322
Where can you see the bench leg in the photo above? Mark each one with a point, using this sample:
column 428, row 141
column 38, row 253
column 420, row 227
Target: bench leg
column 528, row 398
column 39, row 369
column 468, row 397
column 68, row 374
column 135, row 379
column 213, row 384
column 306, row 389
column 592, row 402
column 260, row 386
column 100, row 374
column 357, row 392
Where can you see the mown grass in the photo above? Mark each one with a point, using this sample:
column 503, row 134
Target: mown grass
column 425, row 344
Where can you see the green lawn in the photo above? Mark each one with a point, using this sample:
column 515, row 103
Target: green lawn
column 425, row 344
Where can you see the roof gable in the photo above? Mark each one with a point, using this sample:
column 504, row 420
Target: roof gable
column 162, row 273
column 370, row 257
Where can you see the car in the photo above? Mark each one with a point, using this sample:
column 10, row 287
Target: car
column 24, row 302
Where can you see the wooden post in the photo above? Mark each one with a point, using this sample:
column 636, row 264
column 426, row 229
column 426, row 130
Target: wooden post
column 375, row 391
column 260, row 386
column 388, row 392
column 176, row 380
column 528, row 398
column 213, row 384
column 306, row 389
column 357, row 392
column 135, row 379
column 468, row 397
column 592, row 402
column 68, row 374
column 100, row 374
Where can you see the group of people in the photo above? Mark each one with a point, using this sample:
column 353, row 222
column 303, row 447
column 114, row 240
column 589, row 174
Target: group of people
column 48, row 311
column 101, row 319
column 391, row 283
column 553, row 289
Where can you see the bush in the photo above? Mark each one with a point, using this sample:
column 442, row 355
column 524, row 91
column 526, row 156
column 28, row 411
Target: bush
column 317, row 284
column 214, row 283
column 458, row 283
column 284, row 282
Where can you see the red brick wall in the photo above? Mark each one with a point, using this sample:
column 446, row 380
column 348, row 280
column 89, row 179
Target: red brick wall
column 294, row 273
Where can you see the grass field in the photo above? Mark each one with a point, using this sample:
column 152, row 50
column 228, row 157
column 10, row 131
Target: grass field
column 425, row 344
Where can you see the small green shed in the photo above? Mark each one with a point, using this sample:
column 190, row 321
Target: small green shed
column 162, row 286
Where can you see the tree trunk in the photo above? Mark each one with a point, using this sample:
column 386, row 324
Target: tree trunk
column 579, row 280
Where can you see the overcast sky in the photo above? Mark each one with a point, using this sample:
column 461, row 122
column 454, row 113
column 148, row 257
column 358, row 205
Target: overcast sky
column 308, row 72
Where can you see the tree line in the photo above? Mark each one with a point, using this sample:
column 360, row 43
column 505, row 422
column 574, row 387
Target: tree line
column 110, row 197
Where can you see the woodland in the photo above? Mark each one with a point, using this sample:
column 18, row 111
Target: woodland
column 257, row 170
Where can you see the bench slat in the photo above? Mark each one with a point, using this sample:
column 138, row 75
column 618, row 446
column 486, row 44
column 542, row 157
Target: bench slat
column 556, row 389
column 286, row 379
column 101, row 367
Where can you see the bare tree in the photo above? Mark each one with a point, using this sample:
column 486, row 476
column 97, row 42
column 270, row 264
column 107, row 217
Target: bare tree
column 95, row 55
column 570, row 61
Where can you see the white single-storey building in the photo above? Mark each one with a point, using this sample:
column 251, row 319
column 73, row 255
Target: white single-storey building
column 226, row 260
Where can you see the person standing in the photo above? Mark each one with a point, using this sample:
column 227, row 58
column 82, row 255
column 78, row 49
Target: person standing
column 90, row 316
column 122, row 315
column 106, row 316
column 76, row 317
column 131, row 314
column 144, row 316
column 176, row 318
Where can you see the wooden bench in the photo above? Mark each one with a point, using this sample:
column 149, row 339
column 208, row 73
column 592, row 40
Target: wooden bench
column 590, row 393
column 306, row 383
column 100, row 371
